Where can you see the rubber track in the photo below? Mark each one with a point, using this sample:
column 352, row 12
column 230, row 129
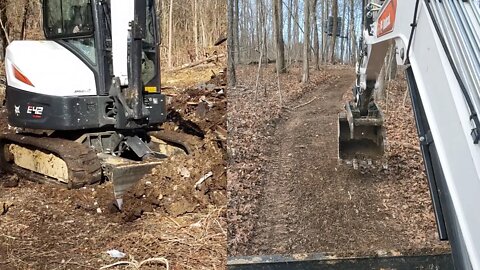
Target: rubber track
column 83, row 165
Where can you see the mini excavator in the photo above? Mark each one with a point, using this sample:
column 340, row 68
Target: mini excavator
column 86, row 102
column 438, row 44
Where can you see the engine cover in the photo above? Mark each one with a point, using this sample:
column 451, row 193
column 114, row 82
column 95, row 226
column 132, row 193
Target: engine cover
column 51, row 68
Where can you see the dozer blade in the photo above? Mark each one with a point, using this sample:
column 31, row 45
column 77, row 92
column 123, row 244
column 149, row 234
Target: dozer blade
column 45, row 159
column 360, row 137
column 125, row 173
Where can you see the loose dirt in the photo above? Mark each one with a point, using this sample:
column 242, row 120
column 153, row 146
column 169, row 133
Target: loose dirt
column 165, row 216
column 306, row 201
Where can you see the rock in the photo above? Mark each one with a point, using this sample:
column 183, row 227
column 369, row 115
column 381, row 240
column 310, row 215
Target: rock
column 184, row 172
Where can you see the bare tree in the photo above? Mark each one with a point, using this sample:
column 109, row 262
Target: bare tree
column 342, row 45
column 237, row 30
column 306, row 42
column 232, row 80
column 316, row 45
column 289, row 31
column 325, row 12
column 195, row 28
column 296, row 29
column 4, row 36
column 278, row 21
column 334, row 30
column 170, row 35
column 352, row 32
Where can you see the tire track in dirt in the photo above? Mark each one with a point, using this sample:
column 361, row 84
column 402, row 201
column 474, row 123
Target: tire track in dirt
column 310, row 202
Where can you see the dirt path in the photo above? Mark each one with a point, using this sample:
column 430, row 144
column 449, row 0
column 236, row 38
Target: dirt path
column 311, row 203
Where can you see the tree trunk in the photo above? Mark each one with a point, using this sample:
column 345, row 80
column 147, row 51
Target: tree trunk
column 170, row 35
column 278, row 22
column 324, row 31
column 306, row 42
column 289, row 32
column 237, row 30
column 195, row 28
column 232, row 80
column 353, row 38
column 296, row 30
column 315, row 36
column 334, row 31
column 4, row 39
column 343, row 40
column 26, row 14
column 264, row 30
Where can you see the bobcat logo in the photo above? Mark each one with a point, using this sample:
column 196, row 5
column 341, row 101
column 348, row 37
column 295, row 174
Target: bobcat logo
column 17, row 110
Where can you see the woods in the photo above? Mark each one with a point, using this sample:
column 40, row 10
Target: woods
column 312, row 32
column 19, row 20
column 189, row 29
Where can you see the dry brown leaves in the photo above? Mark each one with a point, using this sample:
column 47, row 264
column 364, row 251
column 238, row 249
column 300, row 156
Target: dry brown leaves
column 251, row 119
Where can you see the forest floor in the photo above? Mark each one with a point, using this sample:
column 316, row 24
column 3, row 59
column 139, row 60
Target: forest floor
column 289, row 193
column 165, row 216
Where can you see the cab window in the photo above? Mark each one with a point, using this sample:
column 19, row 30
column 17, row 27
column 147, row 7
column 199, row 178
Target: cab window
column 68, row 18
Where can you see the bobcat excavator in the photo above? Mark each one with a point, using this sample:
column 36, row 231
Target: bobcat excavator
column 84, row 103
column 438, row 44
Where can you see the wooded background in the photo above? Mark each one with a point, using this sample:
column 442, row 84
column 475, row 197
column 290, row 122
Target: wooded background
column 310, row 32
column 189, row 28
column 297, row 22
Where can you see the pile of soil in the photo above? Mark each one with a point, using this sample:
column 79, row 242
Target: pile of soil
column 301, row 199
column 165, row 216
column 199, row 112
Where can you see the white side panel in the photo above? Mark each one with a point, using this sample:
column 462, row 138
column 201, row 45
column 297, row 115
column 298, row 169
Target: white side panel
column 448, row 117
column 122, row 15
column 447, row 114
column 52, row 69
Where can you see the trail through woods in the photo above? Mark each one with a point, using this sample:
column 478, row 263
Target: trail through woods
column 301, row 199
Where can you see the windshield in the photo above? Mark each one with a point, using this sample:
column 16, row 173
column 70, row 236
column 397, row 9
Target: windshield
column 68, row 18
column 85, row 46
column 72, row 22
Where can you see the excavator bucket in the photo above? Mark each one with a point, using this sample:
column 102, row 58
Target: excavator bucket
column 360, row 137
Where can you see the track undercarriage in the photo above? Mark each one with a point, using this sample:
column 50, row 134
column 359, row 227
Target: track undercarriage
column 91, row 158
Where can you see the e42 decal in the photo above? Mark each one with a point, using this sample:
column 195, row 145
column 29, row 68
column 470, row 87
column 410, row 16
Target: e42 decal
column 35, row 111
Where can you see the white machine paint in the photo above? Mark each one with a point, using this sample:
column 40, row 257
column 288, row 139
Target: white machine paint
column 122, row 15
column 445, row 108
column 52, row 69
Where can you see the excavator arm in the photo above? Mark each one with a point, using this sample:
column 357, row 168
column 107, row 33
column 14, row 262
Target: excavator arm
column 437, row 42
